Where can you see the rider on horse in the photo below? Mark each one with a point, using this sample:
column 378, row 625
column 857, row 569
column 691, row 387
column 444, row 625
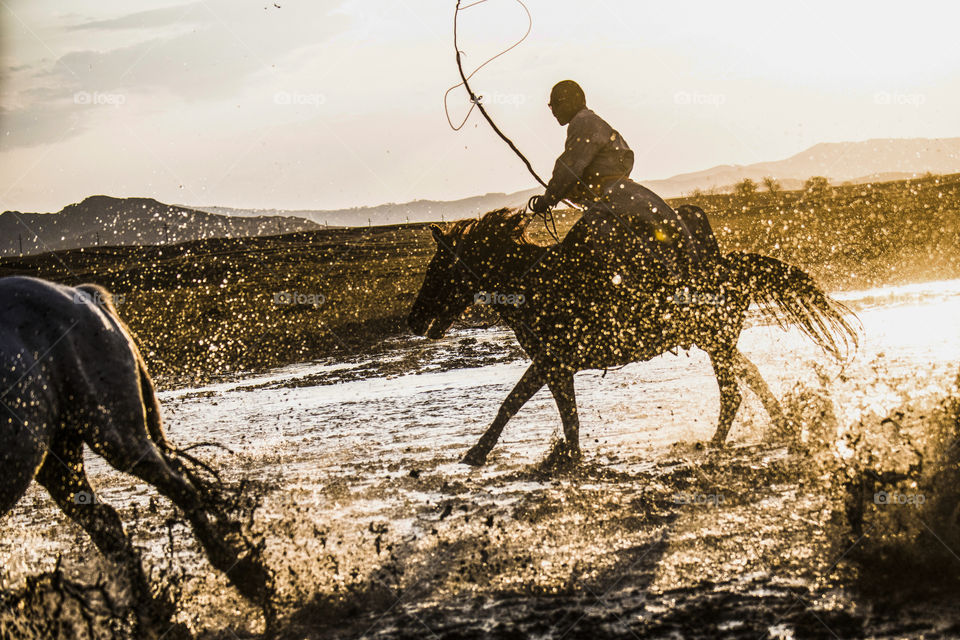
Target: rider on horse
column 621, row 218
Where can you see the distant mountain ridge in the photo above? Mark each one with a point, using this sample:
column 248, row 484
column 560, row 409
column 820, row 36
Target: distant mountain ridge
column 877, row 160
column 394, row 213
column 886, row 158
column 105, row 220
column 126, row 221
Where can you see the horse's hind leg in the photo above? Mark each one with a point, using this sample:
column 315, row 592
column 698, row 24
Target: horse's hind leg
column 730, row 397
column 62, row 475
column 562, row 388
column 748, row 372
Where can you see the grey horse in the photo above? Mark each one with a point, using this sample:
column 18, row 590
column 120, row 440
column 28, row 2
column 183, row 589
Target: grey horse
column 70, row 374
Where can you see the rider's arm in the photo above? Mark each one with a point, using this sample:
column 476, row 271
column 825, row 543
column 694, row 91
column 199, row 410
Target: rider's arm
column 584, row 141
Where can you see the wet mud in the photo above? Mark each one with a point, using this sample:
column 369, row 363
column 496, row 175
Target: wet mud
column 373, row 529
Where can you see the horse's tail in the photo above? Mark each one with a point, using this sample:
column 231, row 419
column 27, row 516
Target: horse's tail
column 152, row 405
column 789, row 296
column 172, row 454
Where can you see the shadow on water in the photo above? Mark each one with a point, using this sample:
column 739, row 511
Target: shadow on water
column 587, row 551
column 754, row 541
column 453, row 586
column 481, row 572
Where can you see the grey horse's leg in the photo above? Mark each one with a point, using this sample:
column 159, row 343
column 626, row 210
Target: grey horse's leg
column 25, row 431
column 20, row 458
column 748, row 372
column 531, row 382
column 730, row 397
column 63, row 476
column 128, row 448
column 562, row 388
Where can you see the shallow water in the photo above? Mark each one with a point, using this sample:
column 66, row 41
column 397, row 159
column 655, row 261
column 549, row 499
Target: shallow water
column 625, row 412
column 368, row 498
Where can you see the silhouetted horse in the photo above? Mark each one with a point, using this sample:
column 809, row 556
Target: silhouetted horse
column 70, row 375
column 570, row 315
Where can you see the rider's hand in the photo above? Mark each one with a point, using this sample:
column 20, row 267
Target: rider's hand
column 538, row 204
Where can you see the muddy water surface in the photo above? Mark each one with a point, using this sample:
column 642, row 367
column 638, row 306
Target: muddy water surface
column 374, row 529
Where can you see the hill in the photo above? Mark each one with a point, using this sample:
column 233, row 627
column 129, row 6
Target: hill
column 107, row 221
column 857, row 162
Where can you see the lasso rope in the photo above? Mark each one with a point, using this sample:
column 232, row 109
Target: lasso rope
column 476, row 102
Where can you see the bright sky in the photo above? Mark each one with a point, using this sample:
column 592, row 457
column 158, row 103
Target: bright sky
column 332, row 103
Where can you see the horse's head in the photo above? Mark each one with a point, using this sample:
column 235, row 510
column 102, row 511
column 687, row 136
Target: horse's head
column 447, row 289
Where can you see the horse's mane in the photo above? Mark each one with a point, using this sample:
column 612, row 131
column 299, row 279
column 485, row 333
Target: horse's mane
column 499, row 229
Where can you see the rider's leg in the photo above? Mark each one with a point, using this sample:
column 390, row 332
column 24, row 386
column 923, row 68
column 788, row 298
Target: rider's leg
column 644, row 234
column 616, row 252
column 610, row 244
column 668, row 238
column 699, row 225
column 598, row 243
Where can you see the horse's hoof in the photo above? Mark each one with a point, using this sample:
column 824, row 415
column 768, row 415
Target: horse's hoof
column 562, row 457
column 252, row 579
column 474, row 458
column 178, row 631
column 156, row 623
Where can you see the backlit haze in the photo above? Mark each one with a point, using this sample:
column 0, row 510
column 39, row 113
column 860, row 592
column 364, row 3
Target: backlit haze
column 329, row 104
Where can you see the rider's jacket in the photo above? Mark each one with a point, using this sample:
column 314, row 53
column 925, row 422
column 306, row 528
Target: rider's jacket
column 594, row 157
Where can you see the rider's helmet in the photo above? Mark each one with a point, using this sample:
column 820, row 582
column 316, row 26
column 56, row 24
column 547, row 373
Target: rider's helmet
column 566, row 100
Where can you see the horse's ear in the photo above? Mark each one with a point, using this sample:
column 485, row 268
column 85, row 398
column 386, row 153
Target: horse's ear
column 437, row 232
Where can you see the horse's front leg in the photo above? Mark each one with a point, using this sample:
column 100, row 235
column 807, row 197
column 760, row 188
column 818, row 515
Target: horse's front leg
column 531, row 382
column 561, row 386
column 730, row 398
